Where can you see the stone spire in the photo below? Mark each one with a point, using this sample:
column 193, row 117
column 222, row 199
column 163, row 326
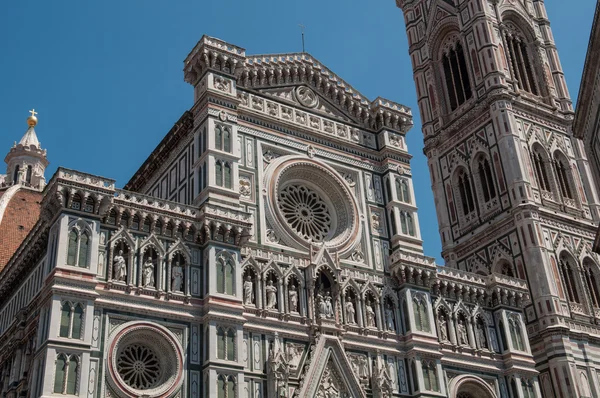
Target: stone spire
column 26, row 161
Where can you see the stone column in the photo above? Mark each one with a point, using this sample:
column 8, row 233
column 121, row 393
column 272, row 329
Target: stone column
column 451, row 328
column 470, row 333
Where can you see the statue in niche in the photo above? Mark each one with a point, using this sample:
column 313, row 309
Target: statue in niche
column 325, row 305
column 370, row 315
column 443, row 327
column 176, row 277
column 389, row 317
column 463, row 339
column 148, row 273
column 294, row 353
column 481, row 335
column 120, row 266
column 350, row 311
column 293, row 297
column 271, row 294
column 248, row 291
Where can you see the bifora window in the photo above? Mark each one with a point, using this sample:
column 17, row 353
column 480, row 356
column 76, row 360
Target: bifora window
column 456, row 76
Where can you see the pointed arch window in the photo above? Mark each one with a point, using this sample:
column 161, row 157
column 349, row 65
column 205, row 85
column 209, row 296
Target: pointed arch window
column 29, row 174
column 402, row 190
column 223, row 138
column 430, row 376
column 225, row 273
column 71, row 320
column 226, row 386
column 16, row 174
column 466, row 193
column 521, row 61
column 591, row 280
column 219, row 173
column 486, row 179
column 456, row 76
column 78, row 249
column 540, row 170
column 226, row 343
column 65, row 375
column 515, row 334
column 420, row 314
column 227, row 179
column 567, row 271
column 562, row 170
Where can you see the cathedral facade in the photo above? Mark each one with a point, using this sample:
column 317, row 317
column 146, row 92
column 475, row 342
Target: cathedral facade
column 270, row 247
column 513, row 186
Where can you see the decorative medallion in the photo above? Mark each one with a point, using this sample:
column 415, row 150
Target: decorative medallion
column 145, row 360
column 307, row 97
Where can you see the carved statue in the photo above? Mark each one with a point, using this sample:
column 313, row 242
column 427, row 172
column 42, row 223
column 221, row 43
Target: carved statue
column 271, row 295
column 120, row 266
column 463, row 339
column 148, row 273
column 350, row 311
column 293, row 297
column 328, row 306
column 370, row 315
column 443, row 327
column 389, row 317
column 325, row 306
column 176, row 277
column 248, row 291
column 481, row 336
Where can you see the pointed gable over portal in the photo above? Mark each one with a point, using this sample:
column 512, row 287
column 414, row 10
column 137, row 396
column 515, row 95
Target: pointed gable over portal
column 330, row 373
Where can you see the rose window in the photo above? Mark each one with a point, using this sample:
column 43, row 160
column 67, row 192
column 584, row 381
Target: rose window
column 139, row 367
column 305, row 212
column 145, row 360
column 309, row 202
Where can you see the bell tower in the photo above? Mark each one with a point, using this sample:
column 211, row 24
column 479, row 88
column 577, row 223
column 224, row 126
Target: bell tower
column 26, row 161
column 513, row 190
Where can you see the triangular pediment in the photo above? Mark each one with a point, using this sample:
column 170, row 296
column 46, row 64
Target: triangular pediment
column 305, row 97
column 330, row 373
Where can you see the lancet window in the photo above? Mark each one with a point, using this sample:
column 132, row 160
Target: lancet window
column 225, row 273
column 65, row 375
column 566, row 268
column 562, row 170
column 223, row 138
column 226, row 343
column 466, row 193
column 541, row 173
column 486, row 179
column 78, row 248
column 430, row 376
column 456, row 76
column 591, row 279
column 226, row 386
column 71, row 320
column 522, row 66
column 223, row 174
column 402, row 190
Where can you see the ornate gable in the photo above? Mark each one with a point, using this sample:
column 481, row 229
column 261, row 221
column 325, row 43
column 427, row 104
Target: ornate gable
column 305, row 97
column 329, row 372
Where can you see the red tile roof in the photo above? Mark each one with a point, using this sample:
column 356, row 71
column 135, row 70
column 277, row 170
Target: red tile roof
column 20, row 215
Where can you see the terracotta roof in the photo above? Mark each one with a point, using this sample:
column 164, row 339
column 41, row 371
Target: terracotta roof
column 19, row 216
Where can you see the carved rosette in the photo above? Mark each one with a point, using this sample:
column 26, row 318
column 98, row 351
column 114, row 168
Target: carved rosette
column 308, row 203
column 144, row 359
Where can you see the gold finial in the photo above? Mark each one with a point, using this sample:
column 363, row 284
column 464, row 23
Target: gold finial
column 32, row 120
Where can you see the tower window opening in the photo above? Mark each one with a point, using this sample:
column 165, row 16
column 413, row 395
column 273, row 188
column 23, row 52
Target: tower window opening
column 561, row 170
column 16, row 174
column 456, row 77
column 521, row 62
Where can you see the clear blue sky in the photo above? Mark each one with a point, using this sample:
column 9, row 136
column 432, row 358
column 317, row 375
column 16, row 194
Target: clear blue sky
column 106, row 76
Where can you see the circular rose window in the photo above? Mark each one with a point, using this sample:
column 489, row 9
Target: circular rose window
column 309, row 203
column 145, row 359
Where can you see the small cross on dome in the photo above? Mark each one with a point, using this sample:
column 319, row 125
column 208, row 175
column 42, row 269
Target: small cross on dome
column 33, row 112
